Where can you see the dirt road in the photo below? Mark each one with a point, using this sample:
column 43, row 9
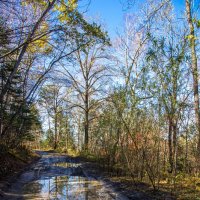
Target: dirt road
column 57, row 176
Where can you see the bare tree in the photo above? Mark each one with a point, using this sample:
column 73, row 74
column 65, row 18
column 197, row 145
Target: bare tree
column 88, row 78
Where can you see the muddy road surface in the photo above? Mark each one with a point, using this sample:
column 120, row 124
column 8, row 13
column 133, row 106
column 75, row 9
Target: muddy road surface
column 60, row 177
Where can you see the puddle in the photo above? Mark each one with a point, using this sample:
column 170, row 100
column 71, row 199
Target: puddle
column 66, row 164
column 66, row 187
column 54, row 177
column 64, row 180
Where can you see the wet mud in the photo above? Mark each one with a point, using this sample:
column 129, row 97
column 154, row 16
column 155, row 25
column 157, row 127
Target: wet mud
column 57, row 176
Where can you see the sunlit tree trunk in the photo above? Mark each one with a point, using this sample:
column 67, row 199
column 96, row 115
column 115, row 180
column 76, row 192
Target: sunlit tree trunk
column 86, row 110
column 194, row 71
column 170, row 146
column 56, row 131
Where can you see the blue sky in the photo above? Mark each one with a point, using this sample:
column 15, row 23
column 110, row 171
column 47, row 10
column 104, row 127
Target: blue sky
column 111, row 12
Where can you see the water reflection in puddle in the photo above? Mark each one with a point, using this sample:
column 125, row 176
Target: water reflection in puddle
column 66, row 187
column 66, row 164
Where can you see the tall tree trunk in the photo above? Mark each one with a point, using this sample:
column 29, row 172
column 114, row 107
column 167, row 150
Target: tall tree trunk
column 186, row 152
column 86, row 129
column 164, row 159
column 86, row 112
column 194, row 72
column 56, row 130
column 170, row 146
column 1, row 106
column 79, row 130
column 174, row 127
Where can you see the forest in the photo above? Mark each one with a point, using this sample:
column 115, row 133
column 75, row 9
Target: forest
column 128, row 102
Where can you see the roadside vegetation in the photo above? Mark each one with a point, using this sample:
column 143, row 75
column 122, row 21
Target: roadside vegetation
column 129, row 105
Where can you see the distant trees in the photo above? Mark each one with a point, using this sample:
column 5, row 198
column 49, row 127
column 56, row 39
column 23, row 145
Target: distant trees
column 50, row 97
column 53, row 101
